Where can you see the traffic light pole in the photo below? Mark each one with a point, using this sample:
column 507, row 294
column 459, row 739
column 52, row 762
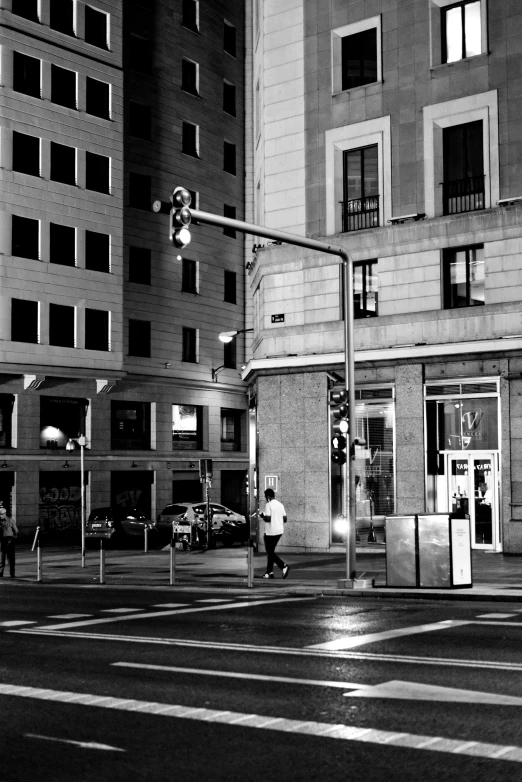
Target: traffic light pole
column 349, row 358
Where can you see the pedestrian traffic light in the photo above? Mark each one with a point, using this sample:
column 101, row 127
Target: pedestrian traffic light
column 339, row 407
column 339, row 449
column 180, row 217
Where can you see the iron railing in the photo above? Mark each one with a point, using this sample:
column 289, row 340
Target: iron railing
column 360, row 213
column 463, row 195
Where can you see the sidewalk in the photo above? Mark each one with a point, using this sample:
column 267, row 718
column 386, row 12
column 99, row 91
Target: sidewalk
column 495, row 576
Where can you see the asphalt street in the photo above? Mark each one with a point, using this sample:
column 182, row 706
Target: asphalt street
column 194, row 684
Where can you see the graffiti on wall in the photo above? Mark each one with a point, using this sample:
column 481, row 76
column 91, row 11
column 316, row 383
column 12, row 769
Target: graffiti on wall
column 60, row 501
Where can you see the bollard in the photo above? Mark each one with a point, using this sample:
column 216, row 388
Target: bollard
column 172, row 560
column 102, row 562
column 146, row 539
column 38, row 560
column 250, row 563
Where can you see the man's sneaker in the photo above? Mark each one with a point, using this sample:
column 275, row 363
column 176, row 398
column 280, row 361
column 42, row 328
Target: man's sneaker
column 285, row 571
column 268, row 575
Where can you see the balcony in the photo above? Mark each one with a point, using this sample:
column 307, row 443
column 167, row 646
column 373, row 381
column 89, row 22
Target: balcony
column 360, row 213
column 463, row 195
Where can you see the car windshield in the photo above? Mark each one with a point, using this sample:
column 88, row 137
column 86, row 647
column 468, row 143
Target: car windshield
column 175, row 510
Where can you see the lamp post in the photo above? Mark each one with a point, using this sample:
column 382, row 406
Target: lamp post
column 71, row 445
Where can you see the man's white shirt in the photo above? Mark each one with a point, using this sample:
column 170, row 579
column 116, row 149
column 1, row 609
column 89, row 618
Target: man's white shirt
column 275, row 510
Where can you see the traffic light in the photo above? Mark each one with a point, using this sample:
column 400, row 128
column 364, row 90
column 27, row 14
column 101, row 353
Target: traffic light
column 205, row 470
column 180, row 217
column 339, row 407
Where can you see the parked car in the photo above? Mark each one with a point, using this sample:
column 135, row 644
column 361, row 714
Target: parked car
column 227, row 525
column 127, row 523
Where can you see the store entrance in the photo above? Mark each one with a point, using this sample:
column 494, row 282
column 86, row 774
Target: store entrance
column 473, row 490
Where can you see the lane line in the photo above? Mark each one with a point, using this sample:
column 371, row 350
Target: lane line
column 81, row 744
column 68, row 616
column 170, row 605
column 265, row 722
column 349, row 642
column 16, row 623
column 215, row 600
column 495, row 616
column 155, row 614
column 281, row 650
column 119, row 610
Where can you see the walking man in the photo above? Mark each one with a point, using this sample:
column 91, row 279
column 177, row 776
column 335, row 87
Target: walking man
column 9, row 531
column 275, row 520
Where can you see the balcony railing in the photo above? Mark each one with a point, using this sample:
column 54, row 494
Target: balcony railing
column 360, row 213
column 463, row 195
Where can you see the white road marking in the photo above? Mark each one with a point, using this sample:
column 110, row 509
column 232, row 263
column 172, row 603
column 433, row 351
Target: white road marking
column 170, row 605
column 320, row 729
column 154, row 614
column 68, row 616
column 81, row 744
column 248, row 676
column 16, row 623
column 495, row 616
column 429, row 692
column 349, row 642
column 120, row 610
column 214, row 600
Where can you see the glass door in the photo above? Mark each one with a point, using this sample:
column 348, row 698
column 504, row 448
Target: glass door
column 472, row 489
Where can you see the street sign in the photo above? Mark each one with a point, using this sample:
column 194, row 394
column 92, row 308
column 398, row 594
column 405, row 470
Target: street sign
column 271, row 482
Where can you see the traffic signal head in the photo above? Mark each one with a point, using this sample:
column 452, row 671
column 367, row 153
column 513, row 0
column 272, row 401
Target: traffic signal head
column 339, row 449
column 180, row 217
column 339, row 406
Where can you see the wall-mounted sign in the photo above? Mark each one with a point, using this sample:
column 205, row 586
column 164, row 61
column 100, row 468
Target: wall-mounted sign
column 271, row 482
column 278, row 318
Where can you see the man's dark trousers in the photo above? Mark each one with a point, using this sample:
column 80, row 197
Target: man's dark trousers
column 8, row 550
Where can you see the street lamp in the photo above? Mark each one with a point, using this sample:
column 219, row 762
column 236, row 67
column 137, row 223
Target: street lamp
column 70, row 446
column 228, row 336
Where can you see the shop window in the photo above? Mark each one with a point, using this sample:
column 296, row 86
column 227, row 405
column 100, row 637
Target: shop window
column 26, row 154
column 61, row 418
column 230, row 287
column 96, row 28
column 356, row 54
column 140, row 265
column 139, row 338
column 461, row 31
column 463, row 277
column 27, row 75
column 190, row 139
column 365, row 289
column 190, row 15
column 190, row 345
column 28, row 9
column 25, row 237
column 360, row 205
column 187, row 427
column 229, row 211
column 190, row 76
column 63, row 87
column 130, row 425
column 230, row 355
column 229, row 38
column 132, row 489
column 62, row 244
column 189, row 278
column 140, row 191
column 63, row 164
column 229, row 98
column 25, row 321
column 140, row 53
column 139, row 120
column 229, row 157
column 97, row 332
column 6, row 415
column 97, row 173
column 61, row 16
column 97, row 98
column 97, row 251
column 464, row 180
column 231, row 429
column 62, row 325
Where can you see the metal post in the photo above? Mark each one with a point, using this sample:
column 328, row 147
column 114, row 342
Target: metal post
column 172, row 560
column 38, row 560
column 81, row 440
column 102, row 562
column 250, row 563
column 146, row 539
column 209, row 522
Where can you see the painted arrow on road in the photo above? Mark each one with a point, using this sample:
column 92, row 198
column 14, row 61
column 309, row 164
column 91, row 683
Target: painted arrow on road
column 81, row 744
column 430, row 692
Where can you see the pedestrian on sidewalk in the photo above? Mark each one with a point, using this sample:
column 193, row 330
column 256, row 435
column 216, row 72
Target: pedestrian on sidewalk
column 275, row 520
column 8, row 534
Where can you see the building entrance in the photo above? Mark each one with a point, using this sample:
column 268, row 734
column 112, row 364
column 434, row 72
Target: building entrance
column 473, row 489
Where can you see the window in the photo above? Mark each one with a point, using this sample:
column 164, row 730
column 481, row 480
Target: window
column 6, row 417
column 359, row 59
column 230, row 287
column 360, row 205
column 139, row 265
column 230, row 354
column 189, row 279
column 24, row 321
column 27, row 75
column 229, row 211
column 96, row 329
column 26, row 154
column 230, row 430
column 187, row 427
column 190, row 139
column 463, row 153
column 139, row 120
column 190, row 345
column 130, row 425
column 97, row 98
column 26, row 8
column 97, row 251
column 96, row 27
column 25, row 237
column 139, row 191
column 61, row 418
column 229, row 157
column 62, row 244
column 365, row 289
column 140, row 53
column 61, row 16
column 229, row 38
column 463, row 277
column 190, row 76
column 97, row 173
column 139, row 338
column 63, row 164
column 229, row 98
column 461, row 31
column 190, row 15
column 63, row 87
column 62, row 321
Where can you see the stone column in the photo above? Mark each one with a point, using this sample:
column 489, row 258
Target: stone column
column 409, row 438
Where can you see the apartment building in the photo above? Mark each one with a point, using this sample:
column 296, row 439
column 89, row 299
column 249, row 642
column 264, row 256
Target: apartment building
column 106, row 329
column 391, row 128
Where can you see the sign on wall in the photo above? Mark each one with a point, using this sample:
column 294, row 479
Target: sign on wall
column 271, row 482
